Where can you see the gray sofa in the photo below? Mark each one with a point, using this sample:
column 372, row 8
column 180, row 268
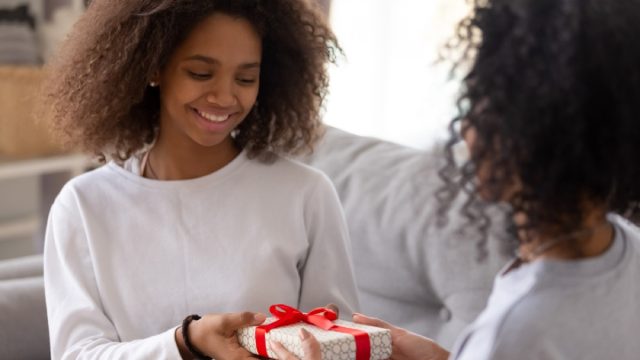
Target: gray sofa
column 409, row 271
column 23, row 319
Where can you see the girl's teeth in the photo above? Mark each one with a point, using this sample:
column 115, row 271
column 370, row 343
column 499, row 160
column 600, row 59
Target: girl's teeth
column 213, row 118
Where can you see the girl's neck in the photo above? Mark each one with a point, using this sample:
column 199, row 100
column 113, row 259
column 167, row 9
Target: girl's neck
column 168, row 161
column 592, row 239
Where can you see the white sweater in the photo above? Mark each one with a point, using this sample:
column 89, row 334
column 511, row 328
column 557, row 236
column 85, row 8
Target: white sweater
column 127, row 258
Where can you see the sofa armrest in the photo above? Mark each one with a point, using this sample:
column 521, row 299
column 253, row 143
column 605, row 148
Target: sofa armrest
column 23, row 320
column 22, row 267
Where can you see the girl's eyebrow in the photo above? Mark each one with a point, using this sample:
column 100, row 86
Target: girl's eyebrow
column 212, row 61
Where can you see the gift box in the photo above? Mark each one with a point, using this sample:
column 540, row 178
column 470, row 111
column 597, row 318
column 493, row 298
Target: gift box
column 339, row 340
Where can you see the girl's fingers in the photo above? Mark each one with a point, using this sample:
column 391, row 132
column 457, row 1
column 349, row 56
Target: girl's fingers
column 281, row 352
column 366, row 320
column 310, row 346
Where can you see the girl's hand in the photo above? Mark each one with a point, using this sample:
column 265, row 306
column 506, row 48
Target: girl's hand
column 405, row 344
column 310, row 348
column 214, row 335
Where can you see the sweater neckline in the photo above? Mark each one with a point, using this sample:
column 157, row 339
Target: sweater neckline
column 588, row 267
column 130, row 169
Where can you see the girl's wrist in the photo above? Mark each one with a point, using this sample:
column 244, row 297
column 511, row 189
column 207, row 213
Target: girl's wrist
column 192, row 337
column 182, row 347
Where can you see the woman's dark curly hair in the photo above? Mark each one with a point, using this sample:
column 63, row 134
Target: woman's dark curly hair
column 98, row 94
column 552, row 93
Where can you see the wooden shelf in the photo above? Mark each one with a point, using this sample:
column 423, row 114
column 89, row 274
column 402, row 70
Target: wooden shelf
column 52, row 171
column 17, row 228
column 16, row 168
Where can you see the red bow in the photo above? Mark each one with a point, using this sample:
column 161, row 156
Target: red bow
column 320, row 317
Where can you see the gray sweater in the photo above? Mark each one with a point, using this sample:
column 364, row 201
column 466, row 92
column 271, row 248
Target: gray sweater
column 551, row 309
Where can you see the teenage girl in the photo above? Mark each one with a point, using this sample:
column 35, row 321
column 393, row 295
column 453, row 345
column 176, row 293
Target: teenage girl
column 193, row 103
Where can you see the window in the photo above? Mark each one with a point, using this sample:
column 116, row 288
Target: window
column 389, row 85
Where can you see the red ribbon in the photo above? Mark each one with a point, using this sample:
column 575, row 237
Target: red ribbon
column 320, row 317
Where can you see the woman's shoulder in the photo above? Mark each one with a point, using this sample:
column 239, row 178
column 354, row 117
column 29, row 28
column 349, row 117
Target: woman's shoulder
column 290, row 170
column 101, row 177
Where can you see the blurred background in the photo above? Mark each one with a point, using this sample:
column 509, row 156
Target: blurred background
column 388, row 85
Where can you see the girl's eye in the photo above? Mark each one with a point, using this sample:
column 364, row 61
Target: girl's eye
column 199, row 76
column 246, row 81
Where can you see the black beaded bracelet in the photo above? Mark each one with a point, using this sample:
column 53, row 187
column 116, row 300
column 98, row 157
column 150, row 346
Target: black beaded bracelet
column 185, row 335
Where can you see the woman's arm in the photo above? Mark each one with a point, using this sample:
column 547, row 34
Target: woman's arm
column 327, row 274
column 78, row 324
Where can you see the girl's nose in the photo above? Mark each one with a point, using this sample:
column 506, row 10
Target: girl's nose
column 221, row 94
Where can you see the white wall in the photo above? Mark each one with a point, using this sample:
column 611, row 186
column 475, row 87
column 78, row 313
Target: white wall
column 389, row 85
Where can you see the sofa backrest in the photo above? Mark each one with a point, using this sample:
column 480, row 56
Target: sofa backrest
column 409, row 271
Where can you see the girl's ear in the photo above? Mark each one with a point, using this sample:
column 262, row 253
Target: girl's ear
column 155, row 79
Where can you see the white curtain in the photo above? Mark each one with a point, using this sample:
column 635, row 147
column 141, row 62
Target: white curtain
column 389, row 85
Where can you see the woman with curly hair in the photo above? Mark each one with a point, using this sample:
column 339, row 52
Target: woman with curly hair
column 193, row 103
column 549, row 112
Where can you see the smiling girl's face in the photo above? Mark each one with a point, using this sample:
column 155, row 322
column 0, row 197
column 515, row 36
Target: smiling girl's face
column 210, row 83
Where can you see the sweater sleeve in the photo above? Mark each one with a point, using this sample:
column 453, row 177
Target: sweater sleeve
column 78, row 325
column 519, row 333
column 327, row 274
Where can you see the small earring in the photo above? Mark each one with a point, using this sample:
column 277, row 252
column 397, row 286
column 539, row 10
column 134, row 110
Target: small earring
column 153, row 84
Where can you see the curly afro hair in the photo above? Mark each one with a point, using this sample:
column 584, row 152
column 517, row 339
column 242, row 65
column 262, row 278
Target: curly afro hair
column 97, row 93
column 551, row 92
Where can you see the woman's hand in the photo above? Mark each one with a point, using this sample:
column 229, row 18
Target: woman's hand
column 214, row 335
column 405, row 344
